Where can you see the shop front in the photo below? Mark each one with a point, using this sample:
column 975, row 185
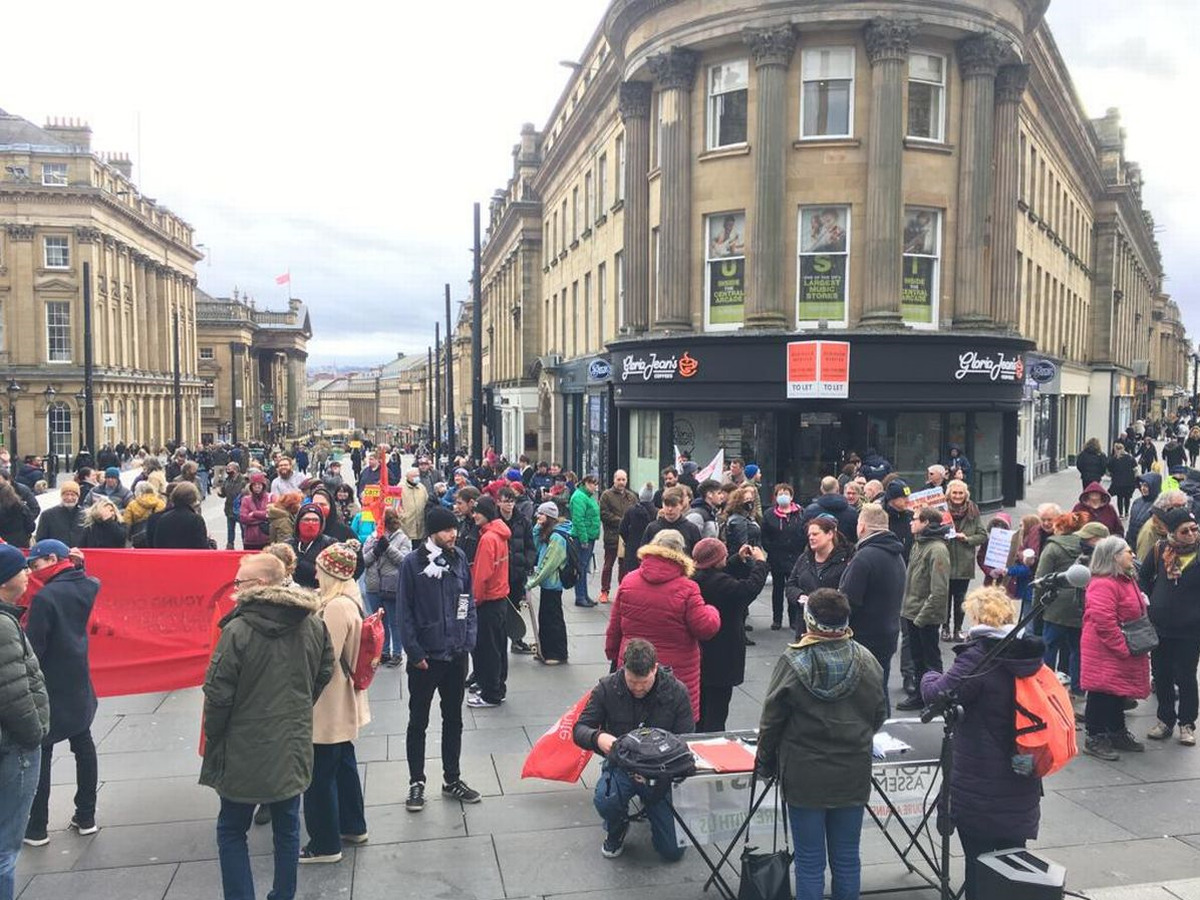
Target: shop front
column 797, row 405
column 585, row 386
column 1040, row 422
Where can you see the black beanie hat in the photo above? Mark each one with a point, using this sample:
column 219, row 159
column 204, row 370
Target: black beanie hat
column 440, row 519
column 487, row 507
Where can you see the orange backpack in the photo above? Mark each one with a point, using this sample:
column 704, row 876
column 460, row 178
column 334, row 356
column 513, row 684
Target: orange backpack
column 1045, row 722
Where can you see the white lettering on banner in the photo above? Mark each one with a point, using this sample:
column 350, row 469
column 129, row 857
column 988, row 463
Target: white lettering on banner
column 999, row 367
column 909, row 788
column 648, row 367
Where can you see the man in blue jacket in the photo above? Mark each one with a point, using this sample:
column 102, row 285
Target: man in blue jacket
column 437, row 627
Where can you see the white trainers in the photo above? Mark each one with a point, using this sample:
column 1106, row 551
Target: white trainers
column 1187, row 735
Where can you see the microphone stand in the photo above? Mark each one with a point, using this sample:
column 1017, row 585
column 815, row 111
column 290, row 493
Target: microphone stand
column 948, row 707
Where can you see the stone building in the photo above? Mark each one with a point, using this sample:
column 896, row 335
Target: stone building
column 66, row 210
column 790, row 230
column 252, row 368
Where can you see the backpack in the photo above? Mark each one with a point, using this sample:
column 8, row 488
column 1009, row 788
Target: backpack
column 653, row 753
column 1044, row 722
column 568, row 575
column 370, row 651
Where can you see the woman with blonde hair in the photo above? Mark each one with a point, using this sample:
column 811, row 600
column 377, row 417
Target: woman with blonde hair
column 967, row 535
column 102, row 525
column 333, row 803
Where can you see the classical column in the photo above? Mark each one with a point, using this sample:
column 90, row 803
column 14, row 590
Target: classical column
column 979, row 58
column 767, row 302
column 139, row 310
column 887, row 48
column 1010, row 86
column 675, row 72
column 633, row 102
column 153, row 336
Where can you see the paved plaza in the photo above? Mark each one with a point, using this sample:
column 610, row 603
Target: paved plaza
column 1113, row 825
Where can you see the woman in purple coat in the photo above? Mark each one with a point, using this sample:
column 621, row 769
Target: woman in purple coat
column 992, row 806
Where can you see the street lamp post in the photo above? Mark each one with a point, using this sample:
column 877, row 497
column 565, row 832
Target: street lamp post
column 49, row 394
column 81, row 402
column 13, row 390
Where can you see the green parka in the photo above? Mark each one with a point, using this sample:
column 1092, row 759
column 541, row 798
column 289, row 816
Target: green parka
column 585, row 515
column 927, row 586
column 272, row 662
column 1058, row 553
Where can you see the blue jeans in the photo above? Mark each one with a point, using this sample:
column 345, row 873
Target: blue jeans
column 231, row 525
column 19, row 774
column 616, row 788
column 233, row 822
column 1065, row 640
column 391, row 625
column 815, row 830
column 333, row 803
column 585, row 566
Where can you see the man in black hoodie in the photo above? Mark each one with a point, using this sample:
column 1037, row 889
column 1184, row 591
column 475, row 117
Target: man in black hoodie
column 874, row 584
column 831, row 502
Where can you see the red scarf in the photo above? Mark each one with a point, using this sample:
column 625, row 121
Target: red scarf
column 38, row 579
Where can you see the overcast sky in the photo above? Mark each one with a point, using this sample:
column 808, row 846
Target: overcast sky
column 347, row 144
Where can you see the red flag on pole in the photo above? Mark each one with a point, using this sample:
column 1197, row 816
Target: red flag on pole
column 285, row 278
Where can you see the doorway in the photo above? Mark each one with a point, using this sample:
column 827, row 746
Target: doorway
column 818, row 448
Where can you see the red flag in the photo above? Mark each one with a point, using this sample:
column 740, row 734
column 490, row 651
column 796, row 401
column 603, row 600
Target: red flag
column 556, row 756
column 285, row 278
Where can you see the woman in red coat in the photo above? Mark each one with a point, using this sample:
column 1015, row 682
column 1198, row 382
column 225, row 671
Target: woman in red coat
column 660, row 603
column 1108, row 672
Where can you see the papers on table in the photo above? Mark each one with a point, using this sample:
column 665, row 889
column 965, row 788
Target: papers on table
column 884, row 743
column 722, row 755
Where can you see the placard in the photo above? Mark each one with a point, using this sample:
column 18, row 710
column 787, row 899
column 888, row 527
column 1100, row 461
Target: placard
column 998, row 546
column 934, row 498
column 818, row 370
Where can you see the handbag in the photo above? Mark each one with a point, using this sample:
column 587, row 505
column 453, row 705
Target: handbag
column 1140, row 635
column 767, row 876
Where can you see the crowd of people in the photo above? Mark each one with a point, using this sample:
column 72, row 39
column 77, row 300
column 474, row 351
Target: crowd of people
column 471, row 563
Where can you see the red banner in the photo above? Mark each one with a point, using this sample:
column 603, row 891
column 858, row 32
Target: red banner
column 154, row 622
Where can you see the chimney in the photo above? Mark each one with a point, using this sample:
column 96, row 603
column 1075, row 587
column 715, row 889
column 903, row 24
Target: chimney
column 122, row 163
column 75, row 133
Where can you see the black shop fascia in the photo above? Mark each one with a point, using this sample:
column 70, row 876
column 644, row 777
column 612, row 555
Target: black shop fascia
column 799, row 404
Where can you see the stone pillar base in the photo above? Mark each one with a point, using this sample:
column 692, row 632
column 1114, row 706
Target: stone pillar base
column 976, row 323
column 882, row 320
column 766, row 321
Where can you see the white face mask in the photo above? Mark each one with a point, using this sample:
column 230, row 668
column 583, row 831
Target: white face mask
column 783, row 500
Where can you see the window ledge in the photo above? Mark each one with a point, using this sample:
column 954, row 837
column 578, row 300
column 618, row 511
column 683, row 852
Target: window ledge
column 585, row 234
column 654, row 173
column 574, row 244
column 928, row 146
column 600, row 221
column 56, row 270
column 742, row 149
column 563, row 255
column 554, row 262
column 826, row 142
column 618, row 206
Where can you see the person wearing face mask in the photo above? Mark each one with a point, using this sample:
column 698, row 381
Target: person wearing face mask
column 334, row 526
column 783, row 538
column 413, row 499
column 741, row 525
column 65, row 521
column 308, row 541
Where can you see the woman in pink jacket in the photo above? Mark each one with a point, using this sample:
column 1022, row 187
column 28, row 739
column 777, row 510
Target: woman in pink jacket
column 252, row 513
column 1108, row 672
column 660, row 603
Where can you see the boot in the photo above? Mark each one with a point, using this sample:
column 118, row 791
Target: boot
column 910, row 684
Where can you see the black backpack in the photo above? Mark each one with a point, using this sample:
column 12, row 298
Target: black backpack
column 568, row 575
column 653, row 753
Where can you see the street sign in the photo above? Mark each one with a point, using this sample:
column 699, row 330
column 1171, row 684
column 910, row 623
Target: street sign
column 110, row 420
column 268, row 407
column 267, row 417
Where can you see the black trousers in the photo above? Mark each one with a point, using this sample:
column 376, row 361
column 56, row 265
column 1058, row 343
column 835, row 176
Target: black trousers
column 86, row 780
column 976, row 844
column 1173, row 663
column 926, row 651
column 778, row 577
column 448, row 679
column 958, row 593
column 714, row 707
column 552, row 628
column 491, row 650
column 1104, row 714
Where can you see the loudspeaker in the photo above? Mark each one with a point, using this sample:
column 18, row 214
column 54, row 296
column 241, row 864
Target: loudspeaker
column 1018, row 875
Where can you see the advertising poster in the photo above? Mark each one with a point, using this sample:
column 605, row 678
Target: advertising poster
column 824, row 241
column 918, row 281
column 726, row 268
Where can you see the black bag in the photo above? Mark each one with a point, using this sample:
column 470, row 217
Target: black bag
column 1140, row 635
column 767, row 876
column 653, row 753
column 569, row 574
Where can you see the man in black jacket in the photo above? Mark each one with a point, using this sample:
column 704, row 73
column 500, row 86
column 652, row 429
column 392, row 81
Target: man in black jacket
column 521, row 559
column 874, row 584
column 637, row 694
column 671, row 516
column 65, row 521
column 634, row 523
column 832, row 503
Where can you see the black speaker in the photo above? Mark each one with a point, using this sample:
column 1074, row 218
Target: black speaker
column 1018, row 875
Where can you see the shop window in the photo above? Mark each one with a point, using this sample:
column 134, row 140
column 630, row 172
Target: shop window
column 989, row 434
column 823, row 273
column 926, row 96
column 918, row 445
column 922, row 266
column 827, row 94
column 643, row 446
column 725, row 265
column 727, row 97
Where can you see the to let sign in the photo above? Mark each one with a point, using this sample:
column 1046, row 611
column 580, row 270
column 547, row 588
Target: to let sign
column 818, row 370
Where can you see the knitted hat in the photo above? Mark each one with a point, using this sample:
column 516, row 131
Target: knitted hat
column 1173, row 518
column 669, row 537
column 440, row 519
column 1094, row 530
column 751, row 470
column 463, row 472
column 549, row 508
column 487, row 507
column 112, row 472
column 895, row 490
column 338, row 561
column 513, row 475
column 69, row 486
column 12, row 561
column 709, row 553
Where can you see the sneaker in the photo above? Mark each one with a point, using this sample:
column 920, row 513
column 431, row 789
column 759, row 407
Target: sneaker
column 1127, row 742
column 1187, row 735
column 472, row 689
column 308, row 856
column 522, row 648
column 959, row 637
column 476, row 701
column 603, row 598
column 911, row 703
column 945, row 633
column 416, row 797
column 36, row 838
column 83, row 825
column 262, row 815
column 356, row 838
column 550, row 662
column 614, row 842
column 1160, row 732
column 395, row 662
column 459, row 790
column 586, row 604
column 1100, row 747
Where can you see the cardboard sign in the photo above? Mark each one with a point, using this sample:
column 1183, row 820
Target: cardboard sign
column 931, row 497
column 998, row 545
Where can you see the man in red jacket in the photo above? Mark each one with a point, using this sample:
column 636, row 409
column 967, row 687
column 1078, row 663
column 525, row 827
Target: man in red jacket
column 489, row 583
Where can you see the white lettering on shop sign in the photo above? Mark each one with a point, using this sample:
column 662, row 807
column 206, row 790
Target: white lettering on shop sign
column 648, row 367
column 998, row 367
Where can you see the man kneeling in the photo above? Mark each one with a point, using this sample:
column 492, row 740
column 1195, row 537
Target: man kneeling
column 638, row 694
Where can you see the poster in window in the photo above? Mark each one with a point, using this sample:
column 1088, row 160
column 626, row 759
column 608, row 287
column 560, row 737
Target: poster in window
column 726, row 268
column 823, row 287
column 824, row 230
column 916, row 288
column 920, row 231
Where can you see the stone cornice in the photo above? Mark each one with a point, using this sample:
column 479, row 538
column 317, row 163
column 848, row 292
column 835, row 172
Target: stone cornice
column 889, row 39
column 87, row 235
column 771, row 46
column 981, row 55
column 1010, row 83
column 675, row 69
column 20, row 232
column 633, row 100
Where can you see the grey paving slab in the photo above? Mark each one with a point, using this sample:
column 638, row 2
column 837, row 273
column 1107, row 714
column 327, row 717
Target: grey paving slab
column 393, row 824
column 156, row 800
column 185, row 700
column 141, row 883
column 1193, row 839
column 1126, row 862
column 462, row 868
column 1188, row 889
column 130, row 704
column 387, row 782
column 150, row 731
column 1168, row 761
column 508, row 768
column 1087, row 771
column 512, row 814
column 132, row 766
column 60, row 855
column 202, row 880
column 1145, row 810
column 1133, row 892
column 140, row 845
column 1065, row 823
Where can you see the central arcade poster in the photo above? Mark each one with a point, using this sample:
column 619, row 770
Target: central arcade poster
column 824, row 245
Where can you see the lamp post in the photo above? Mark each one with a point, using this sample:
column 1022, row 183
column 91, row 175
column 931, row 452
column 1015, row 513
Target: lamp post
column 49, row 394
column 13, row 390
column 81, row 401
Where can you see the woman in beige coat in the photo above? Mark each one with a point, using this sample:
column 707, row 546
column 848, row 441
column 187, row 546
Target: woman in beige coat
column 333, row 803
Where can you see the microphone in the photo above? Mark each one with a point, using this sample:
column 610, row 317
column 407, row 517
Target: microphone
column 1077, row 576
